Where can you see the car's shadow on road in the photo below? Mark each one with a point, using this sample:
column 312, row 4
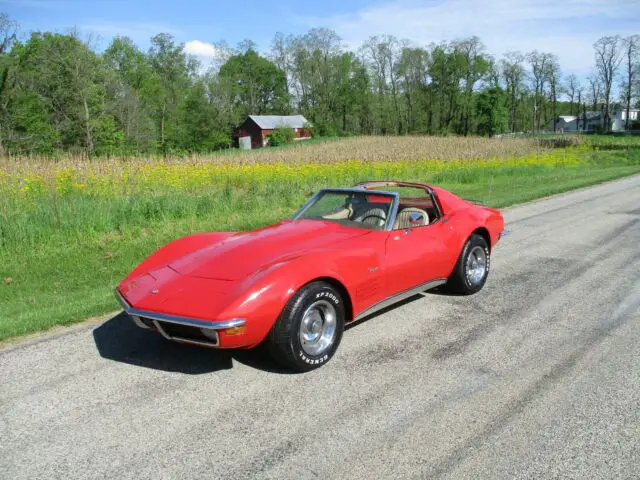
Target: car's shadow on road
column 119, row 339
column 362, row 320
column 435, row 291
column 442, row 291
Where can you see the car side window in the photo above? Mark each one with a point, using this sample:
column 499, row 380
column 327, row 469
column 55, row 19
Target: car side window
column 411, row 217
column 417, row 206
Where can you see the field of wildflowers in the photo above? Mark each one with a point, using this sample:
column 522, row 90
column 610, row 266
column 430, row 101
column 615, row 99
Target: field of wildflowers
column 71, row 229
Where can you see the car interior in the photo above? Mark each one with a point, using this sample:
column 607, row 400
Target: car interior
column 369, row 209
column 418, row 211
column 416, row 207
column 415, row 212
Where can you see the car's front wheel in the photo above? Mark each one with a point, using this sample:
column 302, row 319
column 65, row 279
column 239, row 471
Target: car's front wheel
column 472, row 267
column 309, row 329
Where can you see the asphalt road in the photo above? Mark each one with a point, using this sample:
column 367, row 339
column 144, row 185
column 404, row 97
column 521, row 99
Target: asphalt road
column 537, row 376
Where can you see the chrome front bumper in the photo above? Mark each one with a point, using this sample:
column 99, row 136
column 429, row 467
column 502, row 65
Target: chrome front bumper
column 164, row 324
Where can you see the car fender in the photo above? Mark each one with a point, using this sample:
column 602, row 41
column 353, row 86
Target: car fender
column 468, row 220
column 261, row 297
column 177, row 248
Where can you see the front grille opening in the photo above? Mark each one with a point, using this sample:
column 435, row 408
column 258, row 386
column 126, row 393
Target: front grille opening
column 186, row 332
column 147, row 322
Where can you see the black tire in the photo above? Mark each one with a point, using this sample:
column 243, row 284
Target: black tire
column 461, row 281
column 315, row 303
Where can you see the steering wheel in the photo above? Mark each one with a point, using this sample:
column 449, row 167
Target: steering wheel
column 381, row 220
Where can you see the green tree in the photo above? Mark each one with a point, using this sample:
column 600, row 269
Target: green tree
column 130, row 89
column 513, row 74
column 351, row 86
column 8, row 37
column 59, row 82
column 446, row 72
column 413, row 68
column 254, row 85
column 491, row 111
column 203, row 129
column 173, row 74
column 474, row 66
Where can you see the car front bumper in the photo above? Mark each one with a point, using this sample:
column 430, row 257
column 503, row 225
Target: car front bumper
column 187, row 330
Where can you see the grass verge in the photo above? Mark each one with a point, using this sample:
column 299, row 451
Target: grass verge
column 65, row 243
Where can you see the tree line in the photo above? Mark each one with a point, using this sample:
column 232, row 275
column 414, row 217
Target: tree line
column 60, row 94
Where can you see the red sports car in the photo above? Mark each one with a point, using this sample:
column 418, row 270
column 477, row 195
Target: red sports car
column 345, row 254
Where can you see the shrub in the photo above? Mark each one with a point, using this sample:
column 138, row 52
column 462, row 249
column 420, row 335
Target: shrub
column 281, row 136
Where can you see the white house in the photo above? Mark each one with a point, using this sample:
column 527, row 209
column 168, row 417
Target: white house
column 571, row 123
column 591, row 121
column 619, row 119
column 565, row 123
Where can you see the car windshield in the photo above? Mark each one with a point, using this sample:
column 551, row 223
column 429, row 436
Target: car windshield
column 357, row 209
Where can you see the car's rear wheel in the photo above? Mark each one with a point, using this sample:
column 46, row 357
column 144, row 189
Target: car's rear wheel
column 309, row 329
column 472, row 268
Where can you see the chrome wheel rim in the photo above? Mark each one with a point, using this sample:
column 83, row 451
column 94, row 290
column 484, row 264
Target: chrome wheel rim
column 318, row 328
column 476, row 265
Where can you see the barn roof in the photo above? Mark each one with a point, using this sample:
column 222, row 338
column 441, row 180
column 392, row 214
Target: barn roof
column 269, row 122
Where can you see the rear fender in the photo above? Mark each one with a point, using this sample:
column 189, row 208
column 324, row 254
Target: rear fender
column 468, row 220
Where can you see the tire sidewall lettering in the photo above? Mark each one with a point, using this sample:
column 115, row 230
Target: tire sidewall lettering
column 313, row 361
column 486, row 252
column 328, row 295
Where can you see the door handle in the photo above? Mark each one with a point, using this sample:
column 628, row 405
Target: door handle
column 445, row 219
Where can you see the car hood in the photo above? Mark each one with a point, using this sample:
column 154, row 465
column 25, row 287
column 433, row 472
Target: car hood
column 242, row 254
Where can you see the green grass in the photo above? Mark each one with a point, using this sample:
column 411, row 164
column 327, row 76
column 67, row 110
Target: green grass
column 61, row 255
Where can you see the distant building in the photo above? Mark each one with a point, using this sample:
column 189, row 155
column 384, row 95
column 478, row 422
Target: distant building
column 594, row 121
column 565, row 123
column 591, row 122
column 586, row 122
column 252, row 133
column 619, row 119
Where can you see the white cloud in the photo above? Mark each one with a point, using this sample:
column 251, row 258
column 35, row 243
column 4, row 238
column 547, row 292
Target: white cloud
column 201, row 49
column 566, row 28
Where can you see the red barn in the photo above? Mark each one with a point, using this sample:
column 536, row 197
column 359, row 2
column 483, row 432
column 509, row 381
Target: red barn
column 257, row 127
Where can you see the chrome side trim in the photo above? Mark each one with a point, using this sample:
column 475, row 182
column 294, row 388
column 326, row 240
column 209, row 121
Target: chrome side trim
column 189, row 322
column 400, row 296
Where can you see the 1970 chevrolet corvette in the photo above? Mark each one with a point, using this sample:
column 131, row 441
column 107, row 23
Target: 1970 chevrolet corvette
column 345, row 254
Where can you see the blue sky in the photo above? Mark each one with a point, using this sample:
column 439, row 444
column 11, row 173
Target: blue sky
column 567, row 28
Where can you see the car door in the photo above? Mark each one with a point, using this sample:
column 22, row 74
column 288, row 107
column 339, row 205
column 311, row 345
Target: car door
column 415, row 256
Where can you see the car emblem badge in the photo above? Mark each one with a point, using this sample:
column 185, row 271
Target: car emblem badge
column 155, row 290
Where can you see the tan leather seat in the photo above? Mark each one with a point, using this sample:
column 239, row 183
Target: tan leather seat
column 403, row 219
column 370, row 214
column 342, row 214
